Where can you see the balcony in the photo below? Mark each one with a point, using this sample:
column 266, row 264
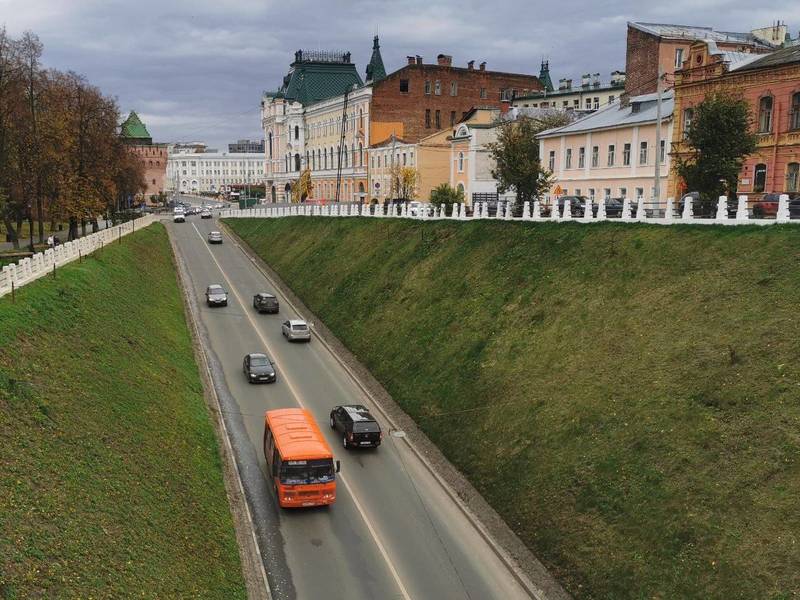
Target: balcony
column 765, row 139
column 790, row 138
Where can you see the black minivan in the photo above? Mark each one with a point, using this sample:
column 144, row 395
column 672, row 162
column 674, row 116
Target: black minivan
column 358, row 427
column 265, row 303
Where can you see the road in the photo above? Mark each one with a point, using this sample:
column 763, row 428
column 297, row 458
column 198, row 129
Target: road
column 393, row 532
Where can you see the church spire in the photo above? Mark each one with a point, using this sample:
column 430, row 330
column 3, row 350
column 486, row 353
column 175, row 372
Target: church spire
column 544, row 76
column 375, row 69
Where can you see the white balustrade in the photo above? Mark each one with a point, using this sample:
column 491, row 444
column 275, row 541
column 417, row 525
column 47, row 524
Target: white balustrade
column 641, row 213
column 783, row 215
column 567, row 216
column 669, row 217
column 588, row 211
column 601, row 209
column 688, row 211
column 722, row 208
column 741, row 209
column 626, row 209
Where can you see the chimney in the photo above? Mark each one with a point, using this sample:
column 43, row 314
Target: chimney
column 569, row 84
column 419, row 59
column 471, row 65
column 585, row 80
column 482, row 66
column 443, row 60
column 562, row 84
column 411, row 60
column 596, row 80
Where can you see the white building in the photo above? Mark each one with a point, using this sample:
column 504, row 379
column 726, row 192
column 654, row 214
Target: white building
column 213, row 171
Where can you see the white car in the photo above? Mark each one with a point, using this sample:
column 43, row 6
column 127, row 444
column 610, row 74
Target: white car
column 296, row 329
column 417, row 209
column 178, row 217
column 205, row 214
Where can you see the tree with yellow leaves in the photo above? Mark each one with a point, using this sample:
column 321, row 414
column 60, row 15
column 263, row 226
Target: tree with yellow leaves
column 404, row 183
column 302, row 188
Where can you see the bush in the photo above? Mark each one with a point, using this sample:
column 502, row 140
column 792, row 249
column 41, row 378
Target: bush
column 447, row 195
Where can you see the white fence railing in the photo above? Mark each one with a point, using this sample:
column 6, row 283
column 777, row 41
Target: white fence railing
column 42, row 263
column 530, row 212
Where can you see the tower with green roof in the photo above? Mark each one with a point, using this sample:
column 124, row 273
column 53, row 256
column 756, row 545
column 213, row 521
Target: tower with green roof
column 544, row 76
column 134, row 132
column 375, row 69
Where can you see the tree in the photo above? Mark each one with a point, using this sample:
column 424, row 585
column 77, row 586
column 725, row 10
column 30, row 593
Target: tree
column 447, row 195
column 719, row 140
column 302, row 188
column 404, row 182
column 518, row 165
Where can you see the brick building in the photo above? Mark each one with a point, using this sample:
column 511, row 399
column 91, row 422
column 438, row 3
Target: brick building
column 654, row 45
column 153, row 156
column 771, row 86
column 419, row 99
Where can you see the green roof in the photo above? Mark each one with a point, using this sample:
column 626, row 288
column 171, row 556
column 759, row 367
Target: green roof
column 317, row 76
column 375, row 69
column 544, row 76
column 133, row 127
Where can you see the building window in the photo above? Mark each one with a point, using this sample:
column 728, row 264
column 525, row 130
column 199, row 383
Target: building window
column 765, row 114
column 452, row 118
column 296, row 132
column 427, row 118
column 639, row 193
column 607, row 193
column 428, row 86
column 577, row 191
column 794, row 118
column 678, row 58
column 759, row 178
column 662, row 153
column 596, row 103
column 404, row 86
column 438, row 119
column 552, row 162
column 591, row 194
column 576, row 103
column 793, row 177
column 611, row 155
column 437, row 88
column 688, row 116
column 581, row 157
column 643, row 153
column 411, row 160
column 588, row 104
column 623, row 192
column 454, row 88
column 460, row 162
column 568, row 159
column 595, row 156
column 626, row 155
column 483, row 93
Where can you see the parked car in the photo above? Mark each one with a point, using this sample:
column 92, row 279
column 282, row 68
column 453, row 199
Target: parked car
column 266, row 303
column 205, row 214
column 358, row 427
column 767, row 207
column 178, row 217
column 216, row 295
column 794, row 206
column 214, row 237
column 417, row 209
column 613, row 207
column 259, row 368
column 296, row 329
column 577, row 205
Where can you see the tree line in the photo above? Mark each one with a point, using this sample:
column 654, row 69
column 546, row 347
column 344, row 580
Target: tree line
column 61, row 155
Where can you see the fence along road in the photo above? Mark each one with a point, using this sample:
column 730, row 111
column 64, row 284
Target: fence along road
column 393, row 532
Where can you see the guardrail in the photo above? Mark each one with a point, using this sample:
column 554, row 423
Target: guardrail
column 40, row 264
column 628, row 213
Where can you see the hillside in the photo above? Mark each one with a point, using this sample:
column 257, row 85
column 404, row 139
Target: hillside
column 110, row 479
column 627, row 397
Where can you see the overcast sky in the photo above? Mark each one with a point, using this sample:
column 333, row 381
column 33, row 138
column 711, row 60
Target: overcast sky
column 195, row 69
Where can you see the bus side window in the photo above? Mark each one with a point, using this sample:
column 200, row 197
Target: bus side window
column 276, row 463
column 269, row 446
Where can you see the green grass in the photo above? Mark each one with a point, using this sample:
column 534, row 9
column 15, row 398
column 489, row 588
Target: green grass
column 110, row 478
column 627, row 397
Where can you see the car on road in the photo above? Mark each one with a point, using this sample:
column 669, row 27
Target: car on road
column 259, row 368
column 216, row 295
column 178, row 217
column 215, row 237
column 266, row 303
column 358, row 427
column 417, row 209
column 205, row 214
column 296, row 329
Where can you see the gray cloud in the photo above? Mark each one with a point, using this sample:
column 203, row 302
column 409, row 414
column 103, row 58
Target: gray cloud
column 196, row 69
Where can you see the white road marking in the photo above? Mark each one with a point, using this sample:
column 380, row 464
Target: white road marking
column 297, row 398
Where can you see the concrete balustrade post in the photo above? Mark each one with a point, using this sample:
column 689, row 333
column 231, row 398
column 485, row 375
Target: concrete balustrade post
column 526, row 210
column 783, row 215
column 688, row 212
column 641, row 211
column 588, row 210
column 626, row 209
column 741, row 209
column 554, row 211
column 601, row 209
column 722, row 208
column 567, row 216
column 668, row 211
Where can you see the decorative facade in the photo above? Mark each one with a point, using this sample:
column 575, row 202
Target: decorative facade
column 213, row 172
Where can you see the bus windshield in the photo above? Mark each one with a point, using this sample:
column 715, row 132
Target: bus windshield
column 296, row 472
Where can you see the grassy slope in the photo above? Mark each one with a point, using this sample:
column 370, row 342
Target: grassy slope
column 110, row 477
column 631, row 395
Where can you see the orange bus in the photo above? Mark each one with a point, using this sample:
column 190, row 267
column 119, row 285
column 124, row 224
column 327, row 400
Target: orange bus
column 299, row 460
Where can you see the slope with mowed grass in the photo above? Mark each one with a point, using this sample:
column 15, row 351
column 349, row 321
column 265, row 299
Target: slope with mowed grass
column 110, row 479
column 627, row 397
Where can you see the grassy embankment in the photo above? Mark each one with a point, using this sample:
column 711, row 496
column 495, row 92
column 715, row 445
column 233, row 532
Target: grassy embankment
column 628, row 398
column 110, row 479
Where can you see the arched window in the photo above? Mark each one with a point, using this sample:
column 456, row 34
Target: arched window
column 319, row 158
column 460, row 162
column 313, row 161
column 296, row 162
column 765, row 114
column 333, row 156
column 793, row 177
column 296, row 132
column 794, row 118
column 360, row 155
column 759, row 177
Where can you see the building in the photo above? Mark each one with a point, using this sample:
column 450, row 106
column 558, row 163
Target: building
column 611, row 152
column 384, row 160
column 196, row 147
column 771, row 85
column 213, row 172
column 654, row 46
column 589, row 96
column 419, row 99
column 246, row 146
column 152, row 156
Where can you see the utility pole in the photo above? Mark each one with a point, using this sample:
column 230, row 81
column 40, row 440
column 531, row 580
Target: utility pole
column 341, row 146
column 391, row 168
column 657, row 181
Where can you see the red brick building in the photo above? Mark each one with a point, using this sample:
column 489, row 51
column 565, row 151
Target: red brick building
column 152, row 156
column 654, row 45
column 419, row 99
column 771, row 86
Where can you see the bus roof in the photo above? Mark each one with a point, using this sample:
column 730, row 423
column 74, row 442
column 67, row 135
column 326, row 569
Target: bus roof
column 296, row 434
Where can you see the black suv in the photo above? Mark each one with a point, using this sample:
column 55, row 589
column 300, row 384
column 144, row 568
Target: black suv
column 359, row 428
column 265, row 303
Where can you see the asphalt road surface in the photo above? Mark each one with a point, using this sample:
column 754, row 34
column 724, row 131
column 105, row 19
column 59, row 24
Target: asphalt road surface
column 393, row 531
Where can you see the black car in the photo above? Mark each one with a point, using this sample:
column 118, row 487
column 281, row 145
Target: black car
column 794, row 206
column 266, row 303
column 258, row 368
column 358, row 427
column 216, row 296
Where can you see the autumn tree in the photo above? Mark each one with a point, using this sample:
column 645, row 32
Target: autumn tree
column 404, row 182
column 303, row 187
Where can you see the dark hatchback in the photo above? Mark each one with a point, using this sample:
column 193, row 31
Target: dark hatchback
column 266, row 303
column 258, row 368
column 358, row 427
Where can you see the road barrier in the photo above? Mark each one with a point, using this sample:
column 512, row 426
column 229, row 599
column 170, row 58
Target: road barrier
column 629, row 212
column 44, row 263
